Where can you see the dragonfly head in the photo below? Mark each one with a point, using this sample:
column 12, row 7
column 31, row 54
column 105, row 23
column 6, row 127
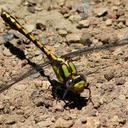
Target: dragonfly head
column 76, row 83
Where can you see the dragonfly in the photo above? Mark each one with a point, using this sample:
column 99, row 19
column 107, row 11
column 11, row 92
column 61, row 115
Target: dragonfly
column 63, row 67
column 65, row 70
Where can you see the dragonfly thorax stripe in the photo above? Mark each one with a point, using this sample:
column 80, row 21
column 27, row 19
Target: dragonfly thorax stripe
column 66, row 71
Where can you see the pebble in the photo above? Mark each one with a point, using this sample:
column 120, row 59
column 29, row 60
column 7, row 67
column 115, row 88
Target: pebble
column 92, row 122
column 64, row 10
column 59, row 106
column 61, row 2
column 114, row 121
column 40, row 26
column 94, row 112
column 8, row 36
column 39, row 58
column 61, row 123
column 117, row 2
column 122, row 97
column 29, row 27
column 75, row 18
column 2, row 118
column 73, row 38
column 76, row 46
column 120, row 13
column 109, row 75
column 118, row 51
column 86, row 39
column 62, row 32
column 84, row 24
column 31, row 9
column 120, row 25
column 10, row 119
column 108, row 22
column 20, row 87
column 38, row 52
column 79, row 8
column 44, row 124
column 97, row 102
column 101, row 11
column 83, row 119
column 38, row 102
column 6, row 52
column 112, row 15
column 120, row 81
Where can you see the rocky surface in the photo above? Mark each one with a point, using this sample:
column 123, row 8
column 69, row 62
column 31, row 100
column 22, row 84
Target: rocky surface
column 65, row 26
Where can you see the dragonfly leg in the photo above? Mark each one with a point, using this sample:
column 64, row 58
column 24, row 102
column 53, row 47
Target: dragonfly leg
column 90, row 96
column 65, row 93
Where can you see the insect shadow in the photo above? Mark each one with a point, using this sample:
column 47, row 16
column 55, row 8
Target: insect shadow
column 58, row 90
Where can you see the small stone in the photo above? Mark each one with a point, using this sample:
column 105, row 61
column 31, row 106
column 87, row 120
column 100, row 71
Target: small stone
column 109, row 22
column 29, row 27
column 73, row 38
column 10, row 119
column 38, row 102
column 62, row 32
column 101, row 11
column 61, row 123
column 112, row 14
column 86, row 39
column 79, row 8
column 120, row 25
column 109, row 75
column 44, row 124
column 114, row 121
column 61, row 2
column 39, row 57
column 8, row 36
column 97, row 102
column 92, row 122
column 2, row 119
column 40, row 26
column 59, row 106
column 76, row 46
column 120, row 13
column 94, row 112
column 64, row 10
column 117, row 2
column 31, row 9
column 6, row 52
column 117, row 51
column 84, row 24
column 122, row 97
column 120, row 81
column 75, row 18
column 21, row 87
column 83, row 119
column 38, row 52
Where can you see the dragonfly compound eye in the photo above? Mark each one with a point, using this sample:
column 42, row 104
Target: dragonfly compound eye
column 70, row 83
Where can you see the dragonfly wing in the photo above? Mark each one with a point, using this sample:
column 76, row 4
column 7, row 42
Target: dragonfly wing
column 29, row 72
column 95, row 49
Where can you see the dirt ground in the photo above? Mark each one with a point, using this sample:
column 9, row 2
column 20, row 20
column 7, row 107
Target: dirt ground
column 28, row 98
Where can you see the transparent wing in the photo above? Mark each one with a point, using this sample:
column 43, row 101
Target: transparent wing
column 29, row 72
column 39, row 68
